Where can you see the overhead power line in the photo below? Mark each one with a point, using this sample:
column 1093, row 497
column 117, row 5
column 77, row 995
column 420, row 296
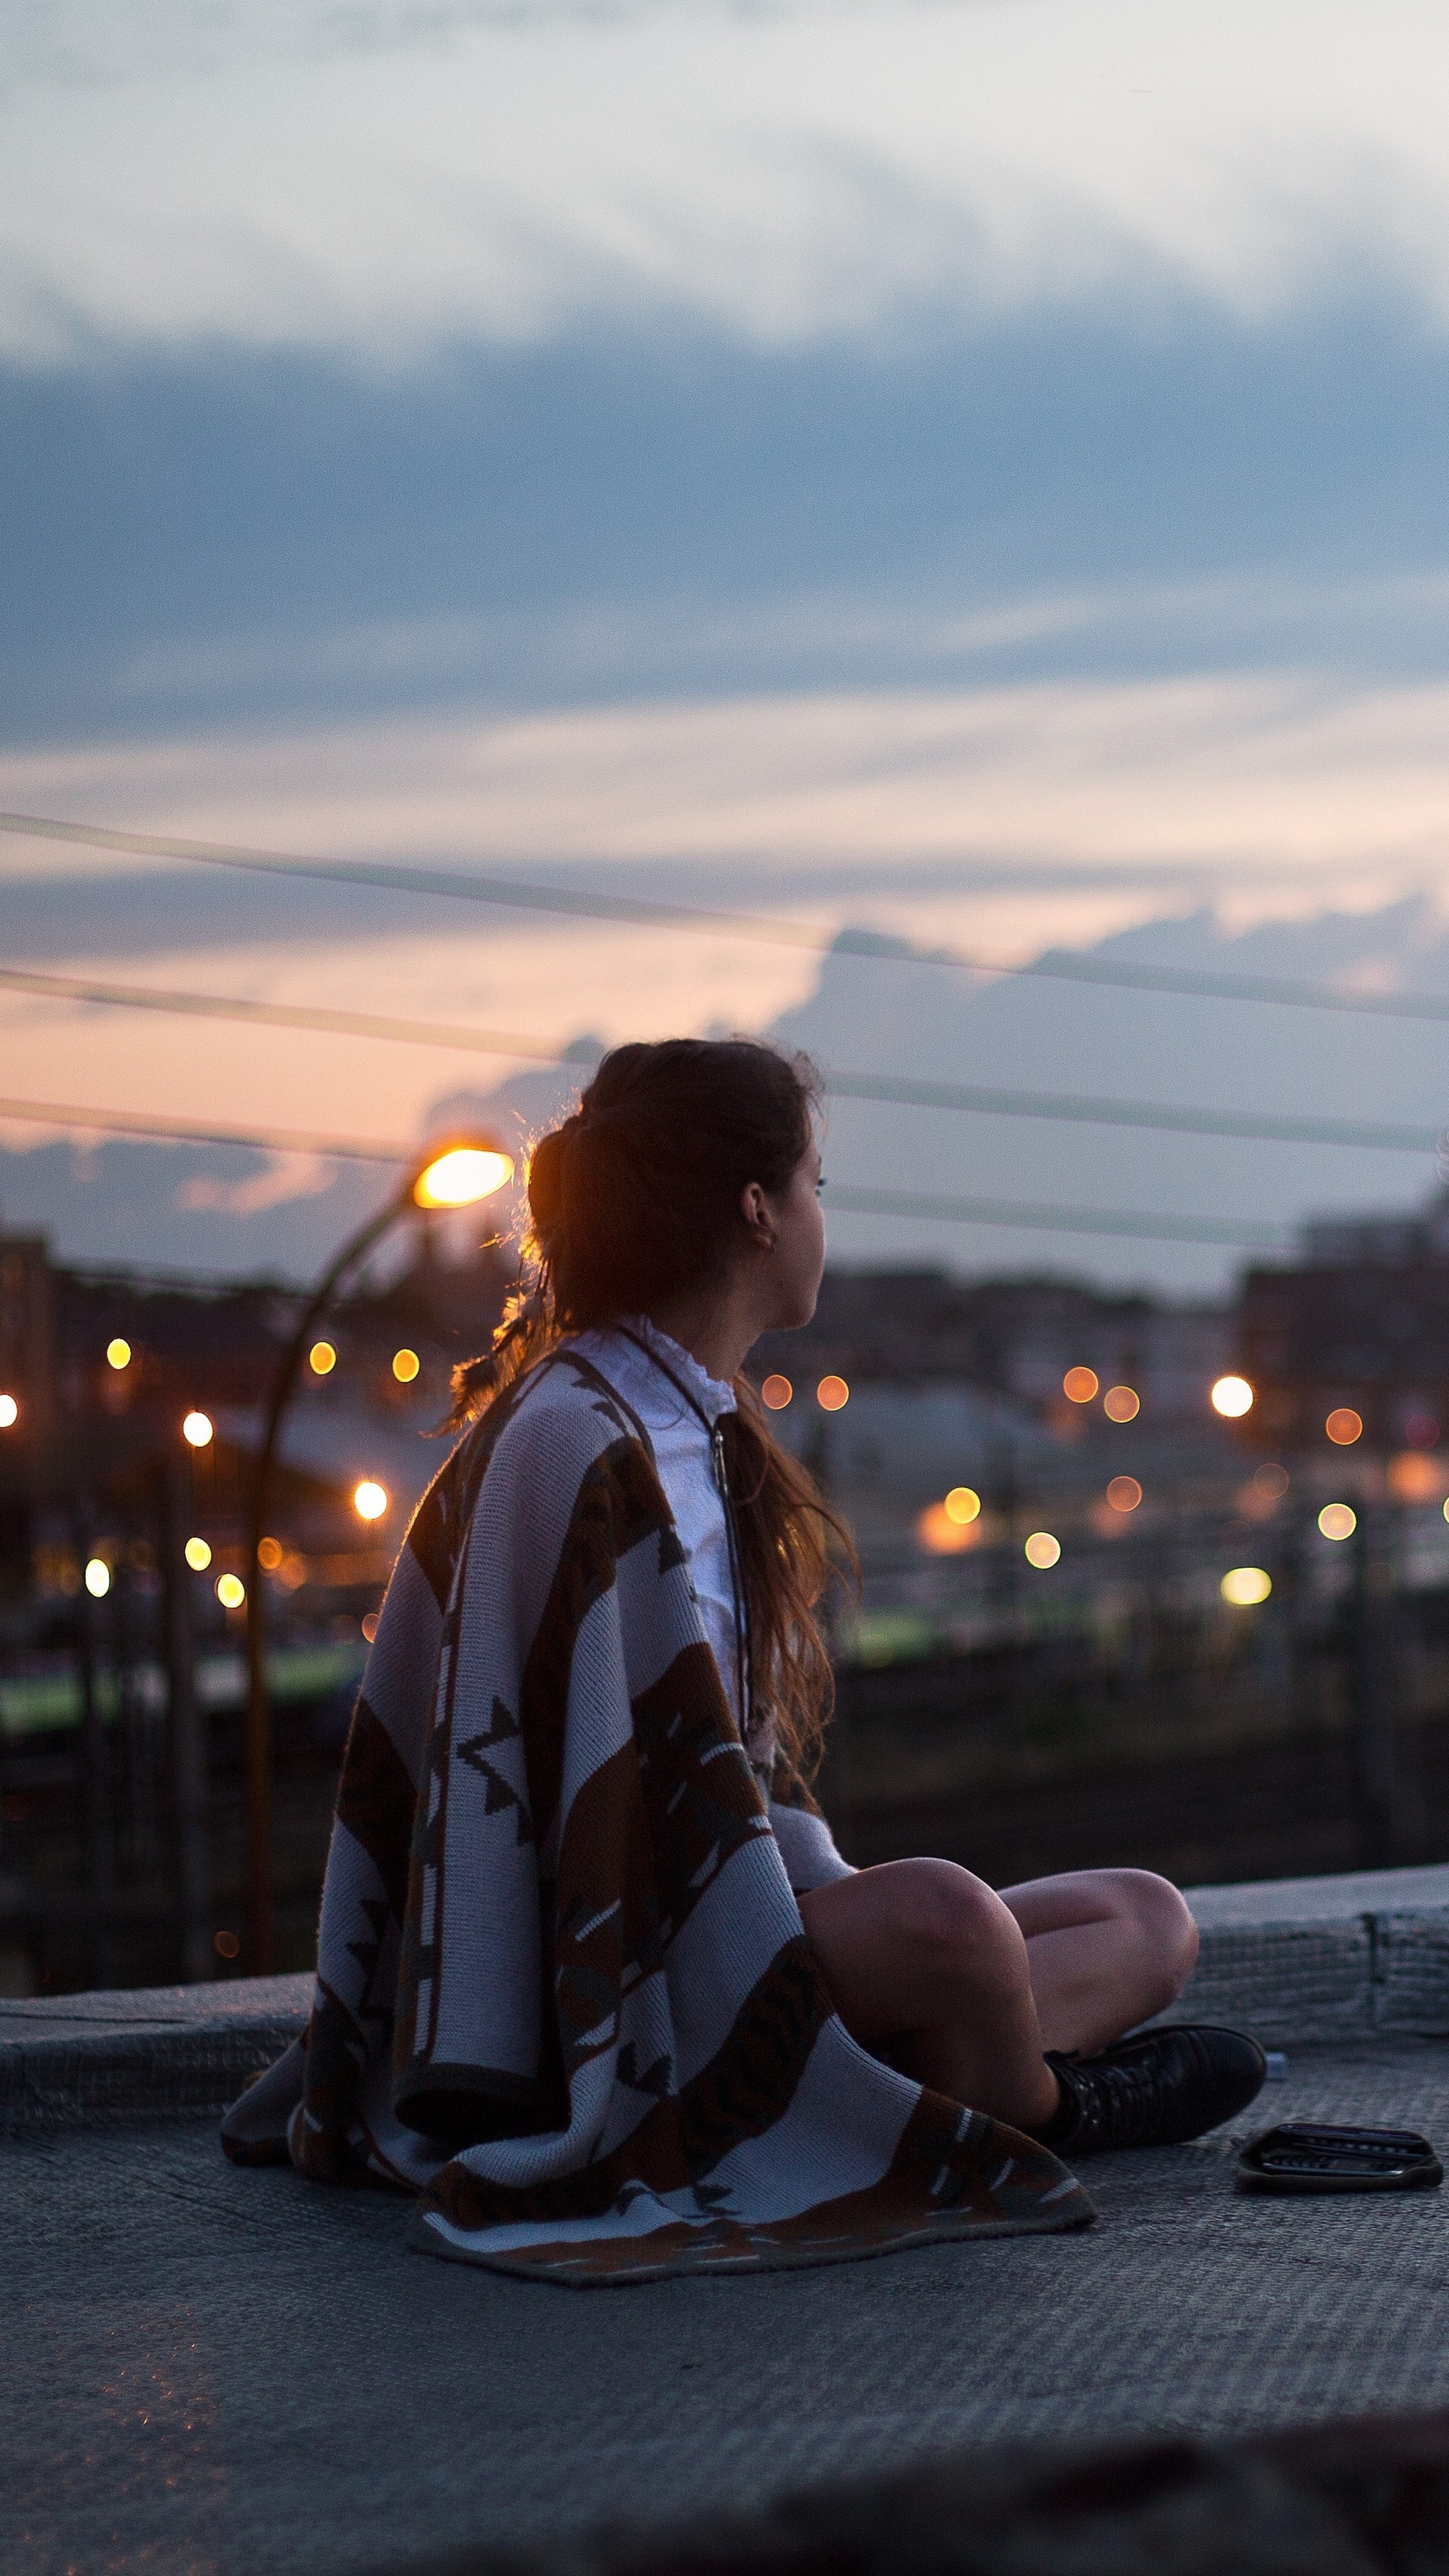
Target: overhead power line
column 458, row 1036
column 1080, row 1109
column 1244, row 1237
column 1073, row 1107
column 192, row 1131
column 996, row 1212
column 767, row 930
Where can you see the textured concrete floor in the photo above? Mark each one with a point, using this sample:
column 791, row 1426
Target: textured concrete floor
column 210, row 2370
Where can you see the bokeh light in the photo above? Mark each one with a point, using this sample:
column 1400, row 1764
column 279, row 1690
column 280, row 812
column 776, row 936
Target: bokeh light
column 1042, row 1550
column 1414, row 1477
column 1344, row 1426
column 98, row 1578
column 1080, row 1385
column 270, row 1553
column 231, row 1592
column 777, row 1392
column 1271, row 1481
column 1232, row 1397
column 198, row 1555
column 118, row 1353
column 1338, row 1520
column 405, row 1366
column 1124, row 1493
column 9, row 1412
column 197, row 1430
column 963, row 1505
column 322, row 1358
column 369, row 1500
column 941, row 1535
column 1245, row 1585
column 1121, row 1404
column 831, row 1394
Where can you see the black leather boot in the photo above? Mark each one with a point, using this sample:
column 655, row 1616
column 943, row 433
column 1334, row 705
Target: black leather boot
column 1156, row 2090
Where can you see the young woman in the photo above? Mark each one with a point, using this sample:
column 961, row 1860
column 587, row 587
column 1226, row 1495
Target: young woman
column 642, row 2016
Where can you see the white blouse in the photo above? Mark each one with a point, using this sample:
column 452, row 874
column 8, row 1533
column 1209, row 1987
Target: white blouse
column 685, row 1463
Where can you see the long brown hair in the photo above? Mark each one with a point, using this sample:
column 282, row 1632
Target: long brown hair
column 636, row 1199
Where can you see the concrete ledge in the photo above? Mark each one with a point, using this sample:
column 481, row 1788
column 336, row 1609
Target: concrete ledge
column 1313, row 1961
column 1299, row 1962
column 77, row 2059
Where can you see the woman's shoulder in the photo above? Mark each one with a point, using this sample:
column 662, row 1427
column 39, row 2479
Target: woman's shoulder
column 564, row 1406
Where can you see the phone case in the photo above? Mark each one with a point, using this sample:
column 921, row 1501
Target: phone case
column 1305, row 2155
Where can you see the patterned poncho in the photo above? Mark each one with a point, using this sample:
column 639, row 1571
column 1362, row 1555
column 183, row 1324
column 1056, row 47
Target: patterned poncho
column 564, row 1994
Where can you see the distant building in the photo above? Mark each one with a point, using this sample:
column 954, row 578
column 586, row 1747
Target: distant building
column 1018, row 1337
column 1361, row 1322
column 27, row 1337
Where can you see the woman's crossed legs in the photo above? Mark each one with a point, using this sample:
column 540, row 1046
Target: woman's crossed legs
column 968, row 1988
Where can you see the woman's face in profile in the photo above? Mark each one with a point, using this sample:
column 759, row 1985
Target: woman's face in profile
column 798, row 1260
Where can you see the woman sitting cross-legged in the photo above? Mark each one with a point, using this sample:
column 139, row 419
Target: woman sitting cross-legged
column 593, row 1980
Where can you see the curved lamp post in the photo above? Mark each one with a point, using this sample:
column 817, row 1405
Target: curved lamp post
column 454, row 1175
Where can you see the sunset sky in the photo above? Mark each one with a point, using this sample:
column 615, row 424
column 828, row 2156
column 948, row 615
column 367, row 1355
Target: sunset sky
column 973, row 470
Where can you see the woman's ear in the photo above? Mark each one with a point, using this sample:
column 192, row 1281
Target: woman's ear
column 758, row 1217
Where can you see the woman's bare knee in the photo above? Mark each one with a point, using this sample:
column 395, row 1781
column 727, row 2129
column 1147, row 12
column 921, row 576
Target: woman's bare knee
column 909, row 1940
column 1165, row 1926
column 953, row 1932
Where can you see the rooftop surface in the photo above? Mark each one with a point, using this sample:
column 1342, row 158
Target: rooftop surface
column 220, row 2370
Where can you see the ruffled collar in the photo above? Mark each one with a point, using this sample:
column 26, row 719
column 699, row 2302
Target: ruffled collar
column 713, row 1395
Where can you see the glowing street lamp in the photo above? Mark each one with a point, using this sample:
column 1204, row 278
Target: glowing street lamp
column 456, row 1172
column 461, row 1175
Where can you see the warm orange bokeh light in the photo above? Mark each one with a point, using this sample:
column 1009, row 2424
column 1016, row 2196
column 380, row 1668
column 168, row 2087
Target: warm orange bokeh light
column 831, row 1394
column 1124, row 1493
column 1080, row 1385
column 1121, row 1404
column 1415, row 1478
column 942, row 1535
column 1344, row 1426
column 777, row 1392
column 270, row 1553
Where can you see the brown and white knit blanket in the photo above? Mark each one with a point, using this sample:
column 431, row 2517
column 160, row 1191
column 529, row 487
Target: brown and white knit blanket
column 564, row 1994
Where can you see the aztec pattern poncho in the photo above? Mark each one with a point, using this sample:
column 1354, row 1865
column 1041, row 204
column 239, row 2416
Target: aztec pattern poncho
column 564, row 1994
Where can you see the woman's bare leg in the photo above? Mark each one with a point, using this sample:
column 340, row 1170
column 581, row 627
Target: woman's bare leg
column 968, row 1988
column 1107, row 1948
column 920, row 1955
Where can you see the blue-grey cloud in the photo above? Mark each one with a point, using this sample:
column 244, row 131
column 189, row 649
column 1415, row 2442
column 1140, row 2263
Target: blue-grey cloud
column 218, row 541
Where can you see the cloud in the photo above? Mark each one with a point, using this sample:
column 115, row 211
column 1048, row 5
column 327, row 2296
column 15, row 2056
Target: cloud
column 204, row 545
column 282, row 1178
column 929, row 802
column 387, row 180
